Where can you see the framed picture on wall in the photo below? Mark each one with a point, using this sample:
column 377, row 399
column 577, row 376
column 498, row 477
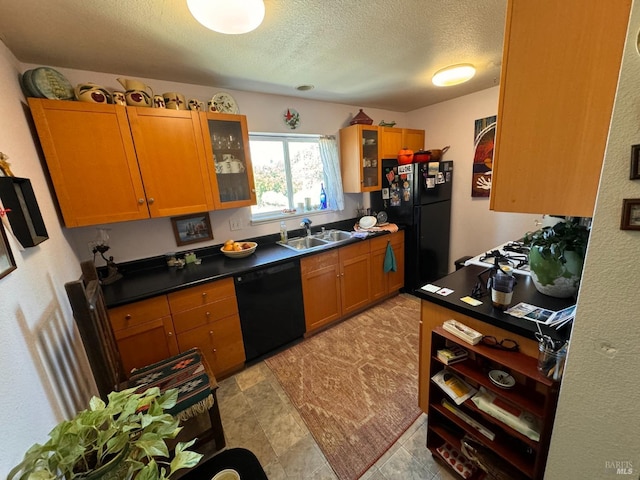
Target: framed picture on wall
column 192, row 228
column 7, row 262
column 634, row 173
column 630, row 214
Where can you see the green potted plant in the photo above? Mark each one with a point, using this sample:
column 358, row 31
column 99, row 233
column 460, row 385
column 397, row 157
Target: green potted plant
column 124, row 438
column 556, row 257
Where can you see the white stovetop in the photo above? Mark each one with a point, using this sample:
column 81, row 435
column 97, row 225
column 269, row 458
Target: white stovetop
column 488, row 264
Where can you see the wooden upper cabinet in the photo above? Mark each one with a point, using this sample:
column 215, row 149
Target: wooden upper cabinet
column 172, row 160
column 226, row 139
column 91, row 160
column 559, row 76
column 360, row 158
column 395, row 139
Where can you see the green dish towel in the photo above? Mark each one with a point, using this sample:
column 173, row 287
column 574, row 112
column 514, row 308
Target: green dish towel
column 390, row 260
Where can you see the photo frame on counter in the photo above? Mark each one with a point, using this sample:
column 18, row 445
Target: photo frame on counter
column 192, row 228
column 630, row 214
column 7, row 262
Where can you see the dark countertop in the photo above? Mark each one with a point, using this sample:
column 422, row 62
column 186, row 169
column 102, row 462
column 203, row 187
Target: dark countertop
column 462, row 282
column 150, row 277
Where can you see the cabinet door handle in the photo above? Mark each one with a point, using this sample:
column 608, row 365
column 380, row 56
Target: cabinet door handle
column 141, row 201
column 151, row 200
column 204, row 294
column 170, row 334
column 211, row 332
column 208, row 315
column 127, row 316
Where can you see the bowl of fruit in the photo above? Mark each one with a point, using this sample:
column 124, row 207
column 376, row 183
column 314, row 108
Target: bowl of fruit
column 234, row 249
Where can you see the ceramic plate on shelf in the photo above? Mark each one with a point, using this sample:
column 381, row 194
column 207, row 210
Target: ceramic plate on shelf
column 224, row 103
column 501, row 379
column 51, row 84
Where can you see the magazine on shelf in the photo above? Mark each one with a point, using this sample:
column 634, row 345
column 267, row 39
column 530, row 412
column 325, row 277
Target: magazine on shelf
column 452, row 354
column 541, row 315
column 468, row 420
column 454, row 386
column 518, row 419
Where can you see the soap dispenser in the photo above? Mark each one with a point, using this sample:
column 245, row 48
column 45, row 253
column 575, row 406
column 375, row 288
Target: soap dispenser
column 283, row 232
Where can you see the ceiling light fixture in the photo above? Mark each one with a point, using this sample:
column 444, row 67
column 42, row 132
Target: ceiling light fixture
column 228, row 16
column 453, row 75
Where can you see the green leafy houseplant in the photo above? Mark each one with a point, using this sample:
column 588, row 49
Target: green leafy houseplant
column 123, row 438
column 556, row 257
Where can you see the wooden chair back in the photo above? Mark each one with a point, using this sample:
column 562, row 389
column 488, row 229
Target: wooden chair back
column 92, row 319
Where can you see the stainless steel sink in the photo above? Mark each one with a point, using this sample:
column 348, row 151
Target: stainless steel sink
column 336, row 236
column 304, row 243
column 317, row 241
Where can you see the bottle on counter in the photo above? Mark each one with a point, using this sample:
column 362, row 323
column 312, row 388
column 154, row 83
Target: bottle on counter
column 283, row 232
column 323, row 197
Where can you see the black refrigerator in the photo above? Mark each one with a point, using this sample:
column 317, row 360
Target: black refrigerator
column 418, row 196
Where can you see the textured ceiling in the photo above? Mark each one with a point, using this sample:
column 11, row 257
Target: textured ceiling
column 368, row 53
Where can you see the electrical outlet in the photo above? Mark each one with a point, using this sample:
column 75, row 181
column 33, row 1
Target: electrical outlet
column 235, row 224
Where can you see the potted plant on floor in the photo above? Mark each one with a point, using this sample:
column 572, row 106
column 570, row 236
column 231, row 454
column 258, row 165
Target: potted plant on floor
column 556, row 257
column 121, row 439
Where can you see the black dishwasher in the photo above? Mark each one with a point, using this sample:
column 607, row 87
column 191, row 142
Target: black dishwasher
column 271, row 307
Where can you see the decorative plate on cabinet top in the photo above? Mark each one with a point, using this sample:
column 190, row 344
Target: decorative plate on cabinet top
column 50, row 83
column 224, row 103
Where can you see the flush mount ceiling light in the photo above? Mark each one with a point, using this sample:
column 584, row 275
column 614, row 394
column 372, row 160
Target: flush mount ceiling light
column 228, row 16
column 453, row 75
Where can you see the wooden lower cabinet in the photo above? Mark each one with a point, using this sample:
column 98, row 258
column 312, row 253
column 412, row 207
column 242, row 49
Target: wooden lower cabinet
column 144, row 332
column 384, row 283
column 321, row 289
column 343, row 281
column 207, row 317
column 355, row 277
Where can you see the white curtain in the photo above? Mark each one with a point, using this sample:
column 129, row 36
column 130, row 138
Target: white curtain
column 331, row 165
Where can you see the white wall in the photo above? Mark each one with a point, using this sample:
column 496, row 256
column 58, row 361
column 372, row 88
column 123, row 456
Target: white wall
column 44, row 372
column 597, row 422
column 474, row 228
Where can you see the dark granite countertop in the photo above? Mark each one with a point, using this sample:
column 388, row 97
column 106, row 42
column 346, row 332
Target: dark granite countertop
column 462, row 282
column 150, row 277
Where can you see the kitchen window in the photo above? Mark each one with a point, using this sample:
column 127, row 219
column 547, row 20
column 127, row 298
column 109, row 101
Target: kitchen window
column 288, row 173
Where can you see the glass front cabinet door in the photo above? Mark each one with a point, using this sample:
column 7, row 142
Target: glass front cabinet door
column 370, row 158
column 228, row 152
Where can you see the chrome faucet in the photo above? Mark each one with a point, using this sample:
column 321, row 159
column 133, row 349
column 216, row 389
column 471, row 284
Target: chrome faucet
column 306, row 224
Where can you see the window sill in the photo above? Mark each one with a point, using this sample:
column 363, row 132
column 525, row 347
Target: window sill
column 279, row 217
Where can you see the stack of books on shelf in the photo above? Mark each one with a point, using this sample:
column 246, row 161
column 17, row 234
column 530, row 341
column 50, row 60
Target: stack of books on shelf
column 452, row 354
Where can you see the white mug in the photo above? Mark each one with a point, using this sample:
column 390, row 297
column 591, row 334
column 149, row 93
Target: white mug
column 237, row 166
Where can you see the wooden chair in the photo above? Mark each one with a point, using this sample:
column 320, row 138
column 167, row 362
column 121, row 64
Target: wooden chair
column 187, row 371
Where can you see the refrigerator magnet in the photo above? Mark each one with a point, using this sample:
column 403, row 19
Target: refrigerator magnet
column 385, row 194
column 434, row 168
column 440, row 178
column 405, row 169
column 431, row 182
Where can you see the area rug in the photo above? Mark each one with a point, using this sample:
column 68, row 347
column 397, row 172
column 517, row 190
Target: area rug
column 356, row 384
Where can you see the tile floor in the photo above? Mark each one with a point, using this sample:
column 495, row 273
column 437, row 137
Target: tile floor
column 257, row 415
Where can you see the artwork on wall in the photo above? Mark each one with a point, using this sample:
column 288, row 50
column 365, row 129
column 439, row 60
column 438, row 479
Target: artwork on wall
column 630, row 214
column 634, row 173
column 192, row 228
column 484, row 138
column 7, row 262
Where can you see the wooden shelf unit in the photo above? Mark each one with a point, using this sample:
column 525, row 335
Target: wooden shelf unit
column 533, row 393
